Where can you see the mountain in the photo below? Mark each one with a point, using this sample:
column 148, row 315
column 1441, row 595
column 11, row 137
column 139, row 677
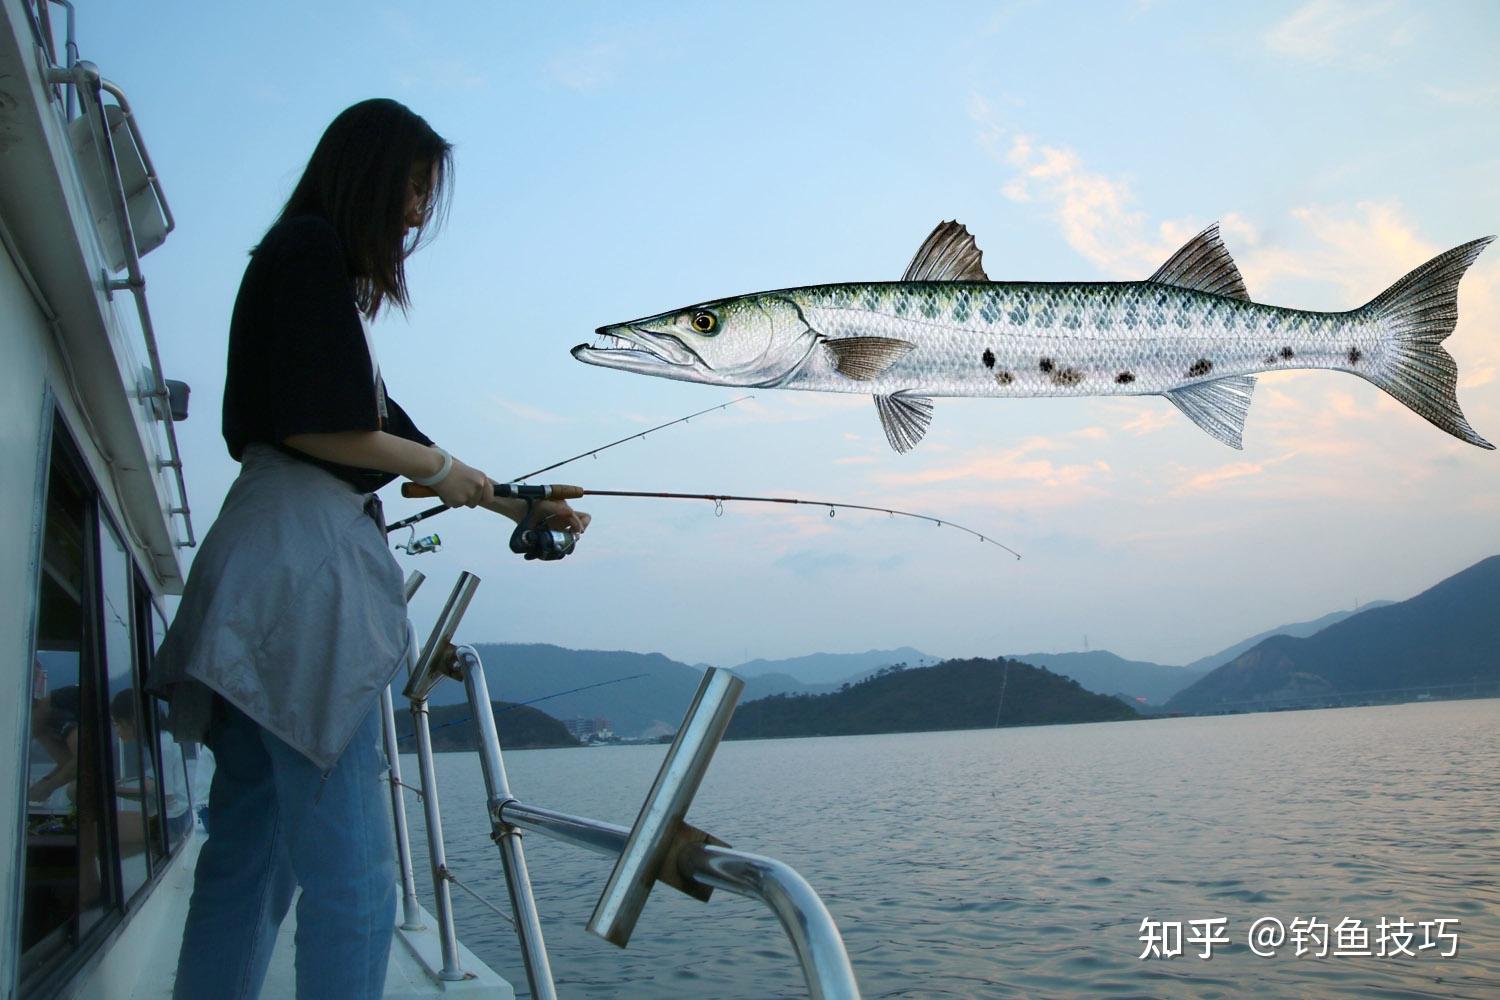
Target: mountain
column 1299, row 630
column 653, row 699
column 956, row 694
column 520, row 728
column 765, row 685
column 1105, row 673
column 1447, row 637
column 831, row 668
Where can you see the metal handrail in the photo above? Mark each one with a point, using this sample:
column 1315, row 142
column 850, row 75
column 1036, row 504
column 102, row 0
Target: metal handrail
column 808, row 925
column 411, row 909
column 90, row 86
column 661, row 846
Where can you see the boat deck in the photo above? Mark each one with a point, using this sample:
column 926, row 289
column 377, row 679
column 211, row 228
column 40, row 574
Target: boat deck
column 415, row 955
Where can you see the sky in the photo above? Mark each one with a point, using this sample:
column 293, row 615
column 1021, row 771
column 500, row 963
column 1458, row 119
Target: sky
column 615, row 161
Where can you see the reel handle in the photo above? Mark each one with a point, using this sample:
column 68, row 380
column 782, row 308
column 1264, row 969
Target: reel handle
column 554, row 492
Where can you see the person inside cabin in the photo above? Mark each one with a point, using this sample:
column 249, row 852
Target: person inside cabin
column 174, row 781
column 54, row 725
column 293, row 618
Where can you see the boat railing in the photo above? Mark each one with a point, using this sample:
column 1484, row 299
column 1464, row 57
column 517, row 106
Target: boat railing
column 83, row 83
column 660, row 847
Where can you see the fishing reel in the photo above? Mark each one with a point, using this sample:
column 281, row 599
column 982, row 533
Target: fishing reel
column 535, row 541
column 415, row 546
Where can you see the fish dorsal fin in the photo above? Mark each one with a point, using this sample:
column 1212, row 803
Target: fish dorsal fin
column 1219, row 407
column 948, row 254
column 864, row 358
column 905, row 418
column 1204, row 264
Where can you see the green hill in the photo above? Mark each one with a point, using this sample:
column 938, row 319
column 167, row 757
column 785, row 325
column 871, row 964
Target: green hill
column 1445, row 641
column 520, row 728
column 957, row 694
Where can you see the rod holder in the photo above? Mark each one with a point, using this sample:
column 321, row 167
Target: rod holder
column 436, row 661
column 661, row 817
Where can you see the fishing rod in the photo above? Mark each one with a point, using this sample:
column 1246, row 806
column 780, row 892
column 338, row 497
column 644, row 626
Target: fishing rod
column 554, row 544
column 431, row 545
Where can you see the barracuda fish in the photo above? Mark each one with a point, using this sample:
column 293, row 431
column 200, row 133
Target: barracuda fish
column 1189, row 333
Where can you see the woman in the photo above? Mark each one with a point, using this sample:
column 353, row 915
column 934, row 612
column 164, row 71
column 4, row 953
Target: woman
column 293, row 619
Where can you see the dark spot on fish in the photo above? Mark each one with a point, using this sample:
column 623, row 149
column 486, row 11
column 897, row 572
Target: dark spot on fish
column 1125, row 378
column 1200, row 367
column 1046, row 365
column 989, row 358
column 1286, row 354
column 1004, row 378
column 1270, row 359
column 1068, row 376
column 1354, row 355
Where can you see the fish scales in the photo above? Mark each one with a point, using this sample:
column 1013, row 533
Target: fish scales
column 1189, row 333
column 1068, row 339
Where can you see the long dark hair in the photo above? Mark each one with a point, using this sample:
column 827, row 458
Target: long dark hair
column 358, row 180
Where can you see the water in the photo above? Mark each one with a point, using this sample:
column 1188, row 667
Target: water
column 1020, row 862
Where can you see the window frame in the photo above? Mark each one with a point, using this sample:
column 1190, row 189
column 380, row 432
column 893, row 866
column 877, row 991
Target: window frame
column 51, row 972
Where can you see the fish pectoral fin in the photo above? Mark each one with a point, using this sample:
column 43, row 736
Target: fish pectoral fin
column 948, row 254
column 1219, row 407
column 905, row 418
column 864, row 358
column 1204, row 264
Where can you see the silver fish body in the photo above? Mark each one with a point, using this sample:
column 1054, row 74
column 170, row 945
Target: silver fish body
column 1189, row 333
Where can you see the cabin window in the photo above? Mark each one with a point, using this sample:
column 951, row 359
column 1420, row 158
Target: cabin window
column 68, row 883
column 107, row 791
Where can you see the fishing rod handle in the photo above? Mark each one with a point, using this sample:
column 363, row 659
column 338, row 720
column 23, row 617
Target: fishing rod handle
column 556, row 491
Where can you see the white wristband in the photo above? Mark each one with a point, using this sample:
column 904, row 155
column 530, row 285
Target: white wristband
column 442, row 472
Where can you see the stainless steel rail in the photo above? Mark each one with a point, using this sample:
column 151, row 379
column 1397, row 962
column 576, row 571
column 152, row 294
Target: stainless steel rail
column 90, row 87
column 808, row 925
column 660, row 847
column 411, row 909
column 436, row 854
column 434, row 664
column 506, row 837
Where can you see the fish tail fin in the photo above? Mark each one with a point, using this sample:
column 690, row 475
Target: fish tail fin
column 1415, row 315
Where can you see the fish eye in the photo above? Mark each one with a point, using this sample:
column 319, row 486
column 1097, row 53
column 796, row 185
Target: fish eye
column 705, row 323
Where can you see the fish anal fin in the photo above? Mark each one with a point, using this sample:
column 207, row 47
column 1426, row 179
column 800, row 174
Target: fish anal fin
column 1204, row 264
column 864, row 358
column 905, row 418
column 948, row 254
column 1219, row 406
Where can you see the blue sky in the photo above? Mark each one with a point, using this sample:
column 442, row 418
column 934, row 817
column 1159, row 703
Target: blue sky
column 619, row 160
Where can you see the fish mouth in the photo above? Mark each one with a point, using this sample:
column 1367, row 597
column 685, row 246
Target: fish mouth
column 635, row 348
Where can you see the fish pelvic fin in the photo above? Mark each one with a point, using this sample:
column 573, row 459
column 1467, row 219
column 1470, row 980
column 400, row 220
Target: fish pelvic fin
column 1219, row 406
column 905, row 418
column 1416, row 314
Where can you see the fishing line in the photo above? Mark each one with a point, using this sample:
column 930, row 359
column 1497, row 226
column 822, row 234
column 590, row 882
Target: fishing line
column 433, row 511
column 521, row 704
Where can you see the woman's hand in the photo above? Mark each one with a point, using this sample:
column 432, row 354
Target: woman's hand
column 557, row 514
column 465, row 486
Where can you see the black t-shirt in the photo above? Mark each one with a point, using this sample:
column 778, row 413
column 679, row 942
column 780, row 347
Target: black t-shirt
column 298, row 360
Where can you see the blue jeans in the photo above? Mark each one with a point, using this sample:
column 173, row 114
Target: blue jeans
column 277, row 823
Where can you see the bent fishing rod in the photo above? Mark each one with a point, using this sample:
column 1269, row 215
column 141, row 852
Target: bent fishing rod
column 559, row 491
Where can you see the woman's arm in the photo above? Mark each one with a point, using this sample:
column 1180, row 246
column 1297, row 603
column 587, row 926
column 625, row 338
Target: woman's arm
column 464, row 486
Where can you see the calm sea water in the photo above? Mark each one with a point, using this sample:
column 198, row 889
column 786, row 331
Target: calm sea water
column 1021, row 862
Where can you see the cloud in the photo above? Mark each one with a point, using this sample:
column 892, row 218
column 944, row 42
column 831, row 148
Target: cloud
column 1341, row 31
column 523, row 411
column 1466, row 96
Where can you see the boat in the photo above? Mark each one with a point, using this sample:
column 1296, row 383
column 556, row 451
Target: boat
column 95, row 499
